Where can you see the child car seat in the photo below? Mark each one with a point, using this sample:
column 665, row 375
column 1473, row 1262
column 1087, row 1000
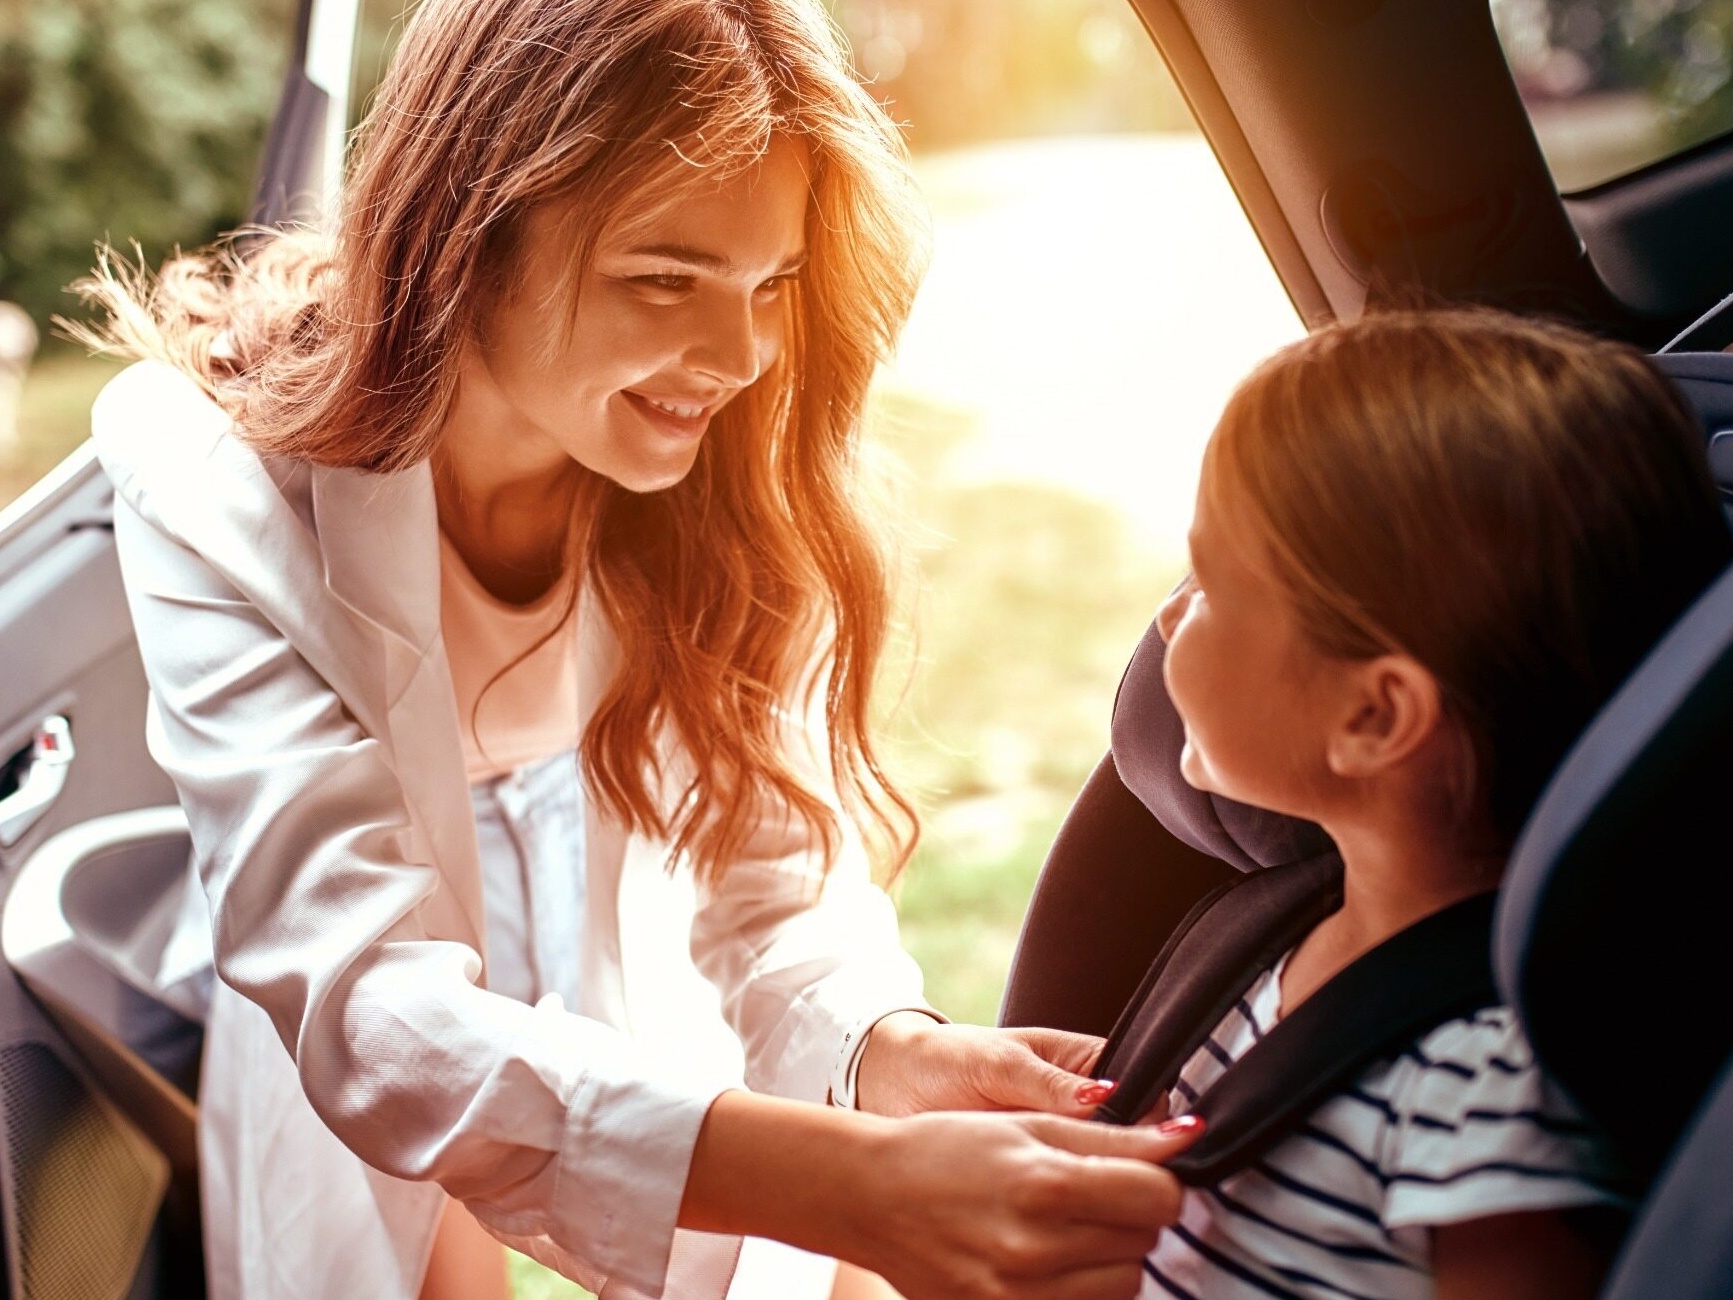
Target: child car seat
column 1606, row 940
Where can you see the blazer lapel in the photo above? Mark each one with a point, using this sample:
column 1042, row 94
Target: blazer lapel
column 601, row 989
column 379, row 542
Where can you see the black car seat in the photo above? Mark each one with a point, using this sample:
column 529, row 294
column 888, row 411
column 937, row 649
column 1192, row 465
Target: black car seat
column 1607, row 936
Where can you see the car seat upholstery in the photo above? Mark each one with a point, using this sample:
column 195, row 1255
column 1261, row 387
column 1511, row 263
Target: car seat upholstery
column 1607, row 942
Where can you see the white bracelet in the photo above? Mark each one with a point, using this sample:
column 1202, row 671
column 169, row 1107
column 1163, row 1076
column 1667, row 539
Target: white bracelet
column 845, row 1069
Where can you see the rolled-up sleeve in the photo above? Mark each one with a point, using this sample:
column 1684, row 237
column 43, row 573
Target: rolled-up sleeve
column 549, row 1125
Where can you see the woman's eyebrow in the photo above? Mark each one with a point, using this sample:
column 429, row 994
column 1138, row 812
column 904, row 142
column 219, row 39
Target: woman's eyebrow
column 701, row 260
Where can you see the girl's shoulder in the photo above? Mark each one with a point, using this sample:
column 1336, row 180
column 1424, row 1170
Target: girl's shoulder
column 1474, row 1129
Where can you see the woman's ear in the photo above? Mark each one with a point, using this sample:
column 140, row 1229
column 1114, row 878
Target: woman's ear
column 1391, row 707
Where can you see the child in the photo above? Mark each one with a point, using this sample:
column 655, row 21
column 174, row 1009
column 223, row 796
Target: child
column 1428, row 546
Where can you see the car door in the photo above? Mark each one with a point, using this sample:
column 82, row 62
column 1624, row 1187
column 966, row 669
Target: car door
column 90, row 1142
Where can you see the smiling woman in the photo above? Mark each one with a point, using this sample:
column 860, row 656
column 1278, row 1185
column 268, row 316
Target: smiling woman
column 569, row 404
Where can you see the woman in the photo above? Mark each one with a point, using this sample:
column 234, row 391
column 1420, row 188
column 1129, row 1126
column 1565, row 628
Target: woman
column 553, row 447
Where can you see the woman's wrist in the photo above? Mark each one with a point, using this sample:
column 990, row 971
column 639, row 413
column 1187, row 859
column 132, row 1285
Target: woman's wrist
column 897, row 1027
column 887, row 1044
column 788, row 1170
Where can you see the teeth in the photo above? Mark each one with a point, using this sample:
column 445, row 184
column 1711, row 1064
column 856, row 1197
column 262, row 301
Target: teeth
column 676, row 410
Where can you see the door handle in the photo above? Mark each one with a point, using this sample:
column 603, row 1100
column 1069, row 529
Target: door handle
column 40, row 784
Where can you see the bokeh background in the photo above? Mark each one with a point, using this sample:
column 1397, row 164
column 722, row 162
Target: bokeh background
column 1094, row 294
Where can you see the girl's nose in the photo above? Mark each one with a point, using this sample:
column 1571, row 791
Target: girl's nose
column 1173, row 608
column 735, row 345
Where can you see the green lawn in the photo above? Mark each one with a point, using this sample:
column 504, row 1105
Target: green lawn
column 53, row 416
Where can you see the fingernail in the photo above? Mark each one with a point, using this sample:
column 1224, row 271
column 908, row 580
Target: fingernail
column 1180, row 1124
column 1095, row 1092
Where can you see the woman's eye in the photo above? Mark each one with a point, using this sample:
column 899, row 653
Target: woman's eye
column 674, row 282
column 774, row 286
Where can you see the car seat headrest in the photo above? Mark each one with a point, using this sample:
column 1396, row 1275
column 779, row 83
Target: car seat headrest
column 1706, row 379
column 1609, row 943
column 1147, row 739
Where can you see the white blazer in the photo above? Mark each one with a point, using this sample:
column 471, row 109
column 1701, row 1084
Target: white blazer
column 288, row 617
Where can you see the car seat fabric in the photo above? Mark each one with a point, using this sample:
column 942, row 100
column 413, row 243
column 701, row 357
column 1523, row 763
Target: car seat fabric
column 1681, row 1246
column 1147, row 739
column 1607, row 943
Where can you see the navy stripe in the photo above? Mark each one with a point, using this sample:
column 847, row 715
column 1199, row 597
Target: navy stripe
column 1457, row 1068
column 1378, row 1104
column 1492, row 1167
column 1306, row 1279
column 1560, row 1124
column 1233, row 1267
column 1216, row 1050
column 1166, row 1283
column 1370, row 1254
column 1318, row 1194
column 1185, row 1090
column 1505, row 1066
column 1335, row 1143
column 1251, row 1020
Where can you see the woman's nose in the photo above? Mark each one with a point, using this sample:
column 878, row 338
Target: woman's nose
column 1173, row 608
column 736, row 344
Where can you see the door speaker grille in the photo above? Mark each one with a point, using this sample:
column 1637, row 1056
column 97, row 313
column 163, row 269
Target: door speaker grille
column 82, row 1187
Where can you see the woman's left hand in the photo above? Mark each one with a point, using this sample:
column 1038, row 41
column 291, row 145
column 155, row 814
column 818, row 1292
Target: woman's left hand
column 912, row 1063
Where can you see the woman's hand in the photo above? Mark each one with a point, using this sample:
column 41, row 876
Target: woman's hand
column 912, row 1063
column 946, row 1206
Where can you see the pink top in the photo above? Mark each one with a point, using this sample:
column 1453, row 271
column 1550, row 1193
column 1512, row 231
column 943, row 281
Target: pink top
column 531, row 712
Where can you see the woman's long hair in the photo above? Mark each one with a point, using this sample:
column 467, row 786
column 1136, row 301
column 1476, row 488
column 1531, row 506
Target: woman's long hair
column 755, row 588
column 1520, row 507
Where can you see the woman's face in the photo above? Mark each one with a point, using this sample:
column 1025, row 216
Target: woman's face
column 1257, row 699
column 679, row 313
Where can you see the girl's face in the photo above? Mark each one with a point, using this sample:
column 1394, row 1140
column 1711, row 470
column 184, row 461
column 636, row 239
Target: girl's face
column 678, row 314
column 1258, row 701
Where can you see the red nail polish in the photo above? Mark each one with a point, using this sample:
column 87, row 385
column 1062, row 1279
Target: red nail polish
column 1180, row 1124
column 1095, row 1092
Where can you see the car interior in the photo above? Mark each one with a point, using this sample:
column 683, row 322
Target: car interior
column 1384, row 153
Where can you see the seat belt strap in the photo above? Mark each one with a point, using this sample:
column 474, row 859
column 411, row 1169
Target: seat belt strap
column 1373, row 1009
column 1230, row 938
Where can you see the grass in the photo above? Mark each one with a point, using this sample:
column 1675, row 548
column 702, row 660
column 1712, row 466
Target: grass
column 53, row 417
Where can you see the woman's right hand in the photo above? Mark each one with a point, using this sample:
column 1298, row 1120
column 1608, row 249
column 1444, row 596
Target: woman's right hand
column 946, row 1205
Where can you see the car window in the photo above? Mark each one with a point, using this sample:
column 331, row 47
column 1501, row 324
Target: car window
column 1613, row 85
column 122, row 122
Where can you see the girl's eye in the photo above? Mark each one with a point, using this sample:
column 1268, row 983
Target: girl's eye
column 673, row 282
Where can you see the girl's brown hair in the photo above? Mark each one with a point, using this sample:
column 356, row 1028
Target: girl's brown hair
column 726, row 590
column 1520, row 507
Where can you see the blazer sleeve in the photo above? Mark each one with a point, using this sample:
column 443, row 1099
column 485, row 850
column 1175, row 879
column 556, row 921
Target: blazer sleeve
column 803, row 958
column 549, row 1125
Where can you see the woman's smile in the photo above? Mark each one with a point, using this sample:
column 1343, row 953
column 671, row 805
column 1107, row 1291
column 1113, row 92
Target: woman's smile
column 681, row 418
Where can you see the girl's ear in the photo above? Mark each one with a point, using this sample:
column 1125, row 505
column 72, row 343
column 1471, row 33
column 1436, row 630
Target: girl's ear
column 1391, row 707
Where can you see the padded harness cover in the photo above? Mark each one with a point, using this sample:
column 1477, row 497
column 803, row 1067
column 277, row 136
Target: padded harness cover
column 1433, row 971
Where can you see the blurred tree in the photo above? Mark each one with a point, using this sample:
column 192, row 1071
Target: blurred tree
column 127, row 119
column 963, row 71
column 1677, row 52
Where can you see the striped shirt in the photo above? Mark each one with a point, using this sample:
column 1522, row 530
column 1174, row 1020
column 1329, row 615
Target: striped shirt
column 1460, row 1126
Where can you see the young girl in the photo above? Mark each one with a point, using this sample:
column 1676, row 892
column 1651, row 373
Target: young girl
column 1427, row 548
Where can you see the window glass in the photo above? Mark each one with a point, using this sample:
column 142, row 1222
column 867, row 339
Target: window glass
column 122, row 122
column 1613, row 85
